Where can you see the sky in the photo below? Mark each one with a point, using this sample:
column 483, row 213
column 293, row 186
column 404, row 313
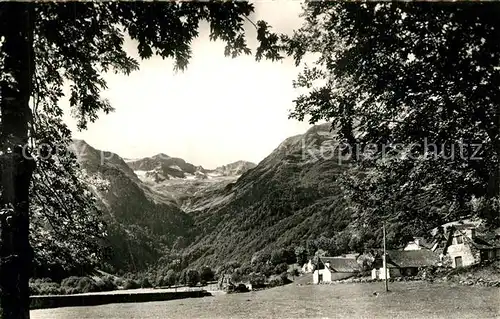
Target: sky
column 218, row 111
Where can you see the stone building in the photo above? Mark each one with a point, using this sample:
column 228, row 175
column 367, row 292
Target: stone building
column 464, row 248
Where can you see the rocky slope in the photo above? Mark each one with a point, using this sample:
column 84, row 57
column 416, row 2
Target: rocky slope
column 182, row 181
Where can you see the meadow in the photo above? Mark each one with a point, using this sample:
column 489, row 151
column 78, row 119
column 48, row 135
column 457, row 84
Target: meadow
column 405, row 300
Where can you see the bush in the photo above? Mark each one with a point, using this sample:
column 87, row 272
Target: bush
column 86, row 284
column 293, row 271
column 70, row 282
column 131, row 284
column 279, row 280
column 275, row 282
column 106, row 284
column 266, row 269
column 257, row 280
column 145, row 283
column 44, row 287
column 206, row 274
column 160, row 281
column 241, row 288
column 192, row 277
column 118, row 282
column 236, row 276
column 280, row 268
column 170, row 278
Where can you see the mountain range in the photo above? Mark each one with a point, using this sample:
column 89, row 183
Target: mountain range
column 161, row 203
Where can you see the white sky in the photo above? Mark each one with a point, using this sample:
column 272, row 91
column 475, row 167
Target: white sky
column 218, row 111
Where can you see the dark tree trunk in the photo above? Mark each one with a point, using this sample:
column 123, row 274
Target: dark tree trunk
column 16, row 165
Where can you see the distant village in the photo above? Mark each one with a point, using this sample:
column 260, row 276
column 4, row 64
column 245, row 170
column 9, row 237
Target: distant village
column 458, row 245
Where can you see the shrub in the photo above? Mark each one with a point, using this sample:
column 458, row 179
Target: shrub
column 257, row 280
column 241, row 288
column 131, row 284
column 70, row 282
column 170, row 278
column 206, row 274
column 160, row 281
column 266, row 269
column 280, row 268
column 277, row 281
column 105, row 284
column 236, row 276
column 118, row 282
column 293, row 271
column 145, row 283
column 86, row 284
column 44, row 287
column 246, row 269
column 192, row 277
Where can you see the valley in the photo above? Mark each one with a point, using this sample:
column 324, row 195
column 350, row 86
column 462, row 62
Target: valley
column 163, row 206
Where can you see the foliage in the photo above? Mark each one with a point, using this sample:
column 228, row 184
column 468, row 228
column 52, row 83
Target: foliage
column 391, row 77
column 131, row 284
column 280, row 268
column 170, row 278
column 236, row 276
column 72, row 285
column 206, row 274
column 192, row 277
column 301, row 255
column 256, row 280
column 284, row 202
column 78, row 42
column 280, row 280
column 293, row 271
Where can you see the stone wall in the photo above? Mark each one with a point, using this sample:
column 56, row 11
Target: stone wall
column 81, row 300
column 469, row 256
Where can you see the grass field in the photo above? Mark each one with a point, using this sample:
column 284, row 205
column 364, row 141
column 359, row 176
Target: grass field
column 406, row 300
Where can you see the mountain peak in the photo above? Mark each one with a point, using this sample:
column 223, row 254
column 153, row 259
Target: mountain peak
column 161, row 156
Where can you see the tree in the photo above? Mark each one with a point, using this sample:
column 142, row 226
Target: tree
column 412, row 91
column 280, row 268
column 278, row 256
column 171, row 277
column 47, row 43
column 236, row 275
column 206, row 274
column 192, row 277
column 301, row 255
column 256, row 279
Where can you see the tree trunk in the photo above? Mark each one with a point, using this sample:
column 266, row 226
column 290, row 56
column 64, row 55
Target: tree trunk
column 16, row 164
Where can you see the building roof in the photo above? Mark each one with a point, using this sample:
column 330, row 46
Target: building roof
column 422, row 242
column 477, row 241
column 412, row 258
column 341, row 264
column 464, row 226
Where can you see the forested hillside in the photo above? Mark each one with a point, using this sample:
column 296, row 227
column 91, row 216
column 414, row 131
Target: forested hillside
column 292, row 196
column 141, row 224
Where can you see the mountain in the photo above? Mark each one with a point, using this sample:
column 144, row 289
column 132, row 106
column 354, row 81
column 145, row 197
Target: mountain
column 223, row 214
column 141, row 222
column 289, row 197
column 143, row 200
column 234, row 169
column 182, row 180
